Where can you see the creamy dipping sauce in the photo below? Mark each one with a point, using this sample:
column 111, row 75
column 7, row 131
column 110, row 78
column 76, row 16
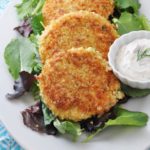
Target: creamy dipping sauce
column 133, row 60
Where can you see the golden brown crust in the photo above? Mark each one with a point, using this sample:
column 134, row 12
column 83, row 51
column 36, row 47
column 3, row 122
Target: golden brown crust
column 78, row 29
column 53, row 9
column 78, row 84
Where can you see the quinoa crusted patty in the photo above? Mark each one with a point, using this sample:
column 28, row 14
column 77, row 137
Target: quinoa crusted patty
column 77, row 29
column 53, row 9
column 78, row 84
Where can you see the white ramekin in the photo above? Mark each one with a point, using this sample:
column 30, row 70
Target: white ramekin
column 116, row 46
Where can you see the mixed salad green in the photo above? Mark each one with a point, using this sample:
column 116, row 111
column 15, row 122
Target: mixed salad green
column 21, row 56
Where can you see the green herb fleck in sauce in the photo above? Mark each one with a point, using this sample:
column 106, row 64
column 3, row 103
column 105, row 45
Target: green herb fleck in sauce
column 143, row 53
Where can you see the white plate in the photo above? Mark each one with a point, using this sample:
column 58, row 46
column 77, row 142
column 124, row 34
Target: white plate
column 117, row 138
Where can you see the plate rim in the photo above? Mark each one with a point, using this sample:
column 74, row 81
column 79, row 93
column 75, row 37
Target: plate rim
column 22, row 144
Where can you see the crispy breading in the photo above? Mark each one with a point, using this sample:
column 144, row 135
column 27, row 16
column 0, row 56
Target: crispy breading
column 53, row 9
column 77, row 29
column 78, row 84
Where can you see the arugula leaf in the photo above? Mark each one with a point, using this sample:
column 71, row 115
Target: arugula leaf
column 48, row 116
column 20, row 56
column 133, row 92
column 36, row 24
column 127, row 23
column 124, row 118
column 68, row 127
column 29, row 8
column 124, row 4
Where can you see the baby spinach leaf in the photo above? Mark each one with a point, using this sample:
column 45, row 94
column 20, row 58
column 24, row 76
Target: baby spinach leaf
column 133, row 92
column 68, row 127
column 48, row 116
column 124, row 118
column 12, row 56
column 128, row 118
column 29, row 8
column 124, row 4
column 20, row 56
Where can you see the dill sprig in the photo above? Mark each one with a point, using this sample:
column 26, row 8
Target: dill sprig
column 143, row 53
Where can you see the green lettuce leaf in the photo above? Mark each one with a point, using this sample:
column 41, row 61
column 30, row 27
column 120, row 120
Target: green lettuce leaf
column 128, row 118
column 127, row 23
column 35, row 40
column 68, row 127
column 20, row 55
column 64, row 127
column 48, row 116
column 133, row 92
column 131, row 22
column 145, row 22
column 37, row 24
column 38, row 66
column 125, row 4
column 124, row 118
column 35, row 91
column 29, row 8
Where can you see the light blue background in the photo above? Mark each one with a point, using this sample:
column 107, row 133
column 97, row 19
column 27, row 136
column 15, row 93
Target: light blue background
column 3, row 4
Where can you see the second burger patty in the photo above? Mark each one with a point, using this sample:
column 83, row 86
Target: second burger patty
column 78, row 84
column 77, row 29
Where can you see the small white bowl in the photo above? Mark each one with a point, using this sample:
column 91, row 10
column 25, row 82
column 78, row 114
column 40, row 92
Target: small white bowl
column 123, row 40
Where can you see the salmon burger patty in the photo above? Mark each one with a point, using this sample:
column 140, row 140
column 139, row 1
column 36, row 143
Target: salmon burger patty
column 53, row 9
column 77, row 29
column 78, row 84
